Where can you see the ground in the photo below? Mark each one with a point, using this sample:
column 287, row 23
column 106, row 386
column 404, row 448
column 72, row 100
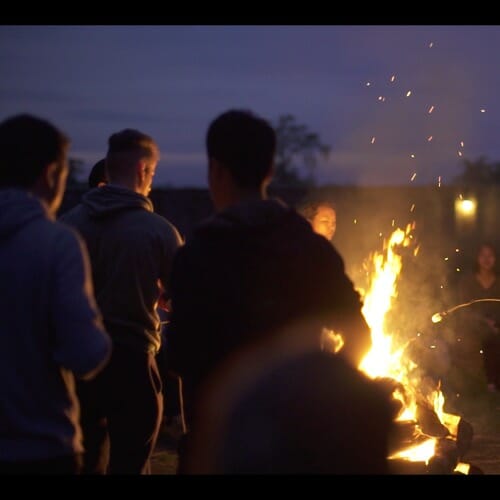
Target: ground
column 484, row 452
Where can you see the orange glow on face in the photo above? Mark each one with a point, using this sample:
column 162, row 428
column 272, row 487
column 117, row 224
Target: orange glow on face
column 324, row 221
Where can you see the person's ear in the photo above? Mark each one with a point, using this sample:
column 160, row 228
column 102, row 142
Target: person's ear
column 51, row 174
column 141, row 169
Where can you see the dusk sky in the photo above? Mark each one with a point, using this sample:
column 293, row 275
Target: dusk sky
column 395, row 103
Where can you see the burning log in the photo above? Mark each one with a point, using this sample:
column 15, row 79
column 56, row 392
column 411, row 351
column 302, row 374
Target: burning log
column 429, row 421
column 405, row 434
column 445, row 457
column 465, row 433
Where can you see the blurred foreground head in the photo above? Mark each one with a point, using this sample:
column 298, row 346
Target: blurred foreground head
column 288, row 408
column 34, row 157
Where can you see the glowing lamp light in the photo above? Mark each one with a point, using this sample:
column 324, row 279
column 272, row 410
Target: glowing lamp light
column 465, row 208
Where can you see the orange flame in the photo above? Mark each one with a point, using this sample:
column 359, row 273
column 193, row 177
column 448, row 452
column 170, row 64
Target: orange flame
column 386, row 359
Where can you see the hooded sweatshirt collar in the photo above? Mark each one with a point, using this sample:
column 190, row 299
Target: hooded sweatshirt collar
column 249, row 215
column 110, row 199
column 19, row 207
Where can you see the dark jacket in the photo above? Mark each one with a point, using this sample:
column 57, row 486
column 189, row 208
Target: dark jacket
column 247, row 271
column 50, row 329
column 130, row 249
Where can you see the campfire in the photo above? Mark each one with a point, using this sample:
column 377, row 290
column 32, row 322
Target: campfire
column 427, row 439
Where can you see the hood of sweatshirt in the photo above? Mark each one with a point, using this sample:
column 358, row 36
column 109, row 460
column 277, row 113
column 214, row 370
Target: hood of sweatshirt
column 108, row 200
column 17, row 208
column 254, row 218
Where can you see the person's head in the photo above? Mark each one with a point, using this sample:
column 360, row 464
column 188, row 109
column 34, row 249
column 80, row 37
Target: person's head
column 322, row 215
column 240, row 148
column 250, row 420
column 34, row 157
column 131, row 160
column 97, row 176
column 486, row 258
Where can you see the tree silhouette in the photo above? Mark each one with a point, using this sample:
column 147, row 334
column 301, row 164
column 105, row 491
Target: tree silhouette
column 479, row 171
column 296, row 142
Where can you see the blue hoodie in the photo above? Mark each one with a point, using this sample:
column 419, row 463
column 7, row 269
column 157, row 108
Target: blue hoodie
column 50, row 330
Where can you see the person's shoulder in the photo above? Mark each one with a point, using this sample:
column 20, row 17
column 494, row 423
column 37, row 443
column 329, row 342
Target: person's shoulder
column 68, row 216
column 166, row 227
column 65, row 231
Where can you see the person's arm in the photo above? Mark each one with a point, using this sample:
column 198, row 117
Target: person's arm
column 175, row 241
column 179, row 333
column 81, row 343
column 345, row 311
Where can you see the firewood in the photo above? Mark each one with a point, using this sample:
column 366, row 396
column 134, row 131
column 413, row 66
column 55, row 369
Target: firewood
column 445, row 457
column 429, row 421
column 465, row 433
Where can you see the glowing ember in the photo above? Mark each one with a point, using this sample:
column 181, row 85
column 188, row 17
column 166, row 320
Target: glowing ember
column 368, row 84
column 393, row 77
column 431, row 109
column 373, row 140
column 462, row 468
column 460, row 153
column 413, row 176
column 408, row 94
column 419, row 453
column 461, row 144
column 439, row 181
column 429, row 139
column 483, row 110
column 431, row 45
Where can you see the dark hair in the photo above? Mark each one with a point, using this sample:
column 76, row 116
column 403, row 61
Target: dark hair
column 28, row 144
column 131, row 143
column 98, row 174
column 308, row 208
column 245, row 144
column 485, row 244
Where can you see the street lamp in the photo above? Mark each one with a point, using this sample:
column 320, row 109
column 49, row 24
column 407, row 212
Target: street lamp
column 465, row 213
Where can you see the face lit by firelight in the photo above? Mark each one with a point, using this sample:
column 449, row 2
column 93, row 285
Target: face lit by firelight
column 324, row 221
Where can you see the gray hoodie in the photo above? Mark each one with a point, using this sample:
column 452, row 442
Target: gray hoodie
column 50, row 329
column 131, row 248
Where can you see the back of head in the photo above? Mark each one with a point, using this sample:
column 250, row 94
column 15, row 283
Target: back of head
column 245, row 144
column 331, row 420
column 97, row 175
column 28, row 144
column 308, row 207
column 125, row 149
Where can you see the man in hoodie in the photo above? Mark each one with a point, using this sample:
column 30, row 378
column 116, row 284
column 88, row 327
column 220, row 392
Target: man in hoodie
column 50, row 327
column 254, row 267
column 131, row 250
